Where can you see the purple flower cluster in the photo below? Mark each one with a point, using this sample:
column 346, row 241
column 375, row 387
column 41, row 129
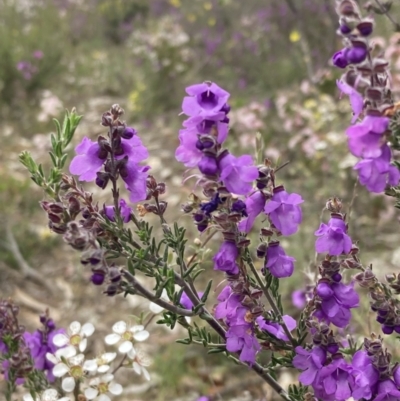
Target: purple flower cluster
column 368, row 138
column 121, row 159
column 369, row 375
column 204, row 132
column 240, row 335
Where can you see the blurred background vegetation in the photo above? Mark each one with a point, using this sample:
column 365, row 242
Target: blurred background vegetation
column 89, row 54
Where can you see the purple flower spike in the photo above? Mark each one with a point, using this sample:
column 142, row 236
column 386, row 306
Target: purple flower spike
column 279, row 264
column 205, row 100
column 237, row 173
column 356, row 99
column 310, row 362
column 254, row 206
column 88, row 160
column 366, row 138
column 333, row 238
column 377, row 173
column 125, row 211
column 339, row 59
column 284, row 211
column 365, row 375
column 275, row 328
column 225, row 259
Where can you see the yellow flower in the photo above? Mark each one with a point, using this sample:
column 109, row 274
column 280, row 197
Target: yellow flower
column 191, row 17
column 207, row 6
column 294, row 36
column 175, row 3
column 212, row 21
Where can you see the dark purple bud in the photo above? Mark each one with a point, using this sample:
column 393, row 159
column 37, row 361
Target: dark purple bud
column 199, row 145
column 114, row 275
column 387, row 329
column 337, row 277
column 356, row 54
column 97, row 278
column 262, row 250
column 332, row 348
column 54, row 218
column 344, row 29
column 112, row 290
column 208, row 165
column 239, row 207
column 365, row 28
column 397, row 329
column 102, row 179
column 382, row 312
column 128, row 133
column 339, row 59
column 202, row 227
column 226, row 108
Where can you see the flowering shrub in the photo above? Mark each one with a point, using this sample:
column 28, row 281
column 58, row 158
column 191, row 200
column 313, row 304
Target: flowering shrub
column 119, row 247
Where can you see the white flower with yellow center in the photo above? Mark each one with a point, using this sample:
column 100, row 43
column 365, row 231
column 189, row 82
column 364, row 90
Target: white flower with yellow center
column 139, row 362
column 100, row 386
column 66, row 362
column 47, row 395
column 127, row 335
column 77, row 336
column 101, row 363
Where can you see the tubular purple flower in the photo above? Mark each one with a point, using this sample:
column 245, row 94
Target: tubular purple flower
column 275, row 328
column 333, row 238
column 277, row 262
column 237, row 173
column 356, row 99
column 284, row 211
column 365, row 375
column 88, row 161
column 225, row 259
column 254, row 206
column 125, row 211
column 208, row 165
column 366, row 138
column 187, row 152
column 135, row 177
column 339, row 59
column 377, row 173
column 310, row 362
column 205, row 100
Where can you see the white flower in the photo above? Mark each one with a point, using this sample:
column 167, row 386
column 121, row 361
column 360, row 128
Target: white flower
column 47, row 395
column 67, row 362
column 139, row 361
column 127, row 335
column 99, row 386
column 76, row 336
column 101, row 363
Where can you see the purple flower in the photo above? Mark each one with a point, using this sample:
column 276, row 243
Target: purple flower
column 205, row 100
column 254, row 206
column 339, row 59
column 241, row 339
column 38, row 54
column 225, row 259
column 237, row 173
column 377, row 173
column 39, row 347
column 124, row 208
column 336, row 380
column 186, row 302
column 187, row 152
column 356, row 99
column 333, row 238
column 228, row 304
column 366, row 138
column 275, row 328
column 204, row 126
column 310, row 362
column 279, row 264
column 284, row 211
column 135, row 177
column 356, row 54
column 336, row 301
column 299, row 299
column 208, row 165
column 88, row 161
column 387, row 391
column 365, row 375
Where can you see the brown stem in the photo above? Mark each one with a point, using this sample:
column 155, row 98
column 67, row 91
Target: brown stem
column 396, row 25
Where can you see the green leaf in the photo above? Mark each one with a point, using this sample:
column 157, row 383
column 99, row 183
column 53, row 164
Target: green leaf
column 206, row 291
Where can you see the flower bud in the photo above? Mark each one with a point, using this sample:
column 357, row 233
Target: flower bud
column 128, row 133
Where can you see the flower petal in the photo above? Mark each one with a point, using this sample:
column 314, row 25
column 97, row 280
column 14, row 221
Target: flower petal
column 87, row 329
column 141, row 335
column 75, row 327
column 125, row 347
column 91, row 393
column 115, row 388
column 119, row 327
column 68, row 384
column 112, row 339
column 60, row 369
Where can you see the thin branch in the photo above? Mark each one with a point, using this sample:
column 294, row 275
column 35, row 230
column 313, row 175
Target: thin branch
column 151, row 297
column 269, row 297
column 12, row 246
column 385, row 11
column 204, row 243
